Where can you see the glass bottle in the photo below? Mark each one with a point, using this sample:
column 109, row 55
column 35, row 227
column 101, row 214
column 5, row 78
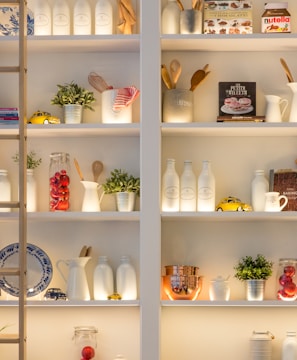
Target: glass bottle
column 260, row 186
column 82, row 23
column 59, row 180
column 188, row 188
column 103, row 279
column 103, row 17
column 289, row 347
column 126, row 279
column 31, row 191
column 5, row 189
column 85, row 339
column 42, row 18
column 170, row 188
column 171, row 18
column 285, row 280
column 206, row 188
column 61, row 18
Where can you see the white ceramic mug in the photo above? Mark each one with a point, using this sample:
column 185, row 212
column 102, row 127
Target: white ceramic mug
column 273, row 201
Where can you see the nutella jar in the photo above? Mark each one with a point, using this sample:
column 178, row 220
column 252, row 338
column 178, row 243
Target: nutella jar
column 276, row 18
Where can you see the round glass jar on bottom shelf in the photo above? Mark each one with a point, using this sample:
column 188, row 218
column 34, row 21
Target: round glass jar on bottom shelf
column 85, row 342
column 285, row 281
column 59, row 181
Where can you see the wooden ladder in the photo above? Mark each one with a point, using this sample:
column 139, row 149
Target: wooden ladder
column 21, row 137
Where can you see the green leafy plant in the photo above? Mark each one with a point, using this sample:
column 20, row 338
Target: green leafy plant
column 73, row 94
column 120, row 181
column 249, row 268
column 32, row 162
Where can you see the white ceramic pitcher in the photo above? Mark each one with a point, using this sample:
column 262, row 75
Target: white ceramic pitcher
column 77, row 284
column 91, row 201
column 293, row 112
column 275, row 108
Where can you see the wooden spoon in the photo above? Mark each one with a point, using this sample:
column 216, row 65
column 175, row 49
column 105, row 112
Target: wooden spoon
column 78, row 170
column 196, row 79
column 97, row 168
column 165, row 77
column 175, row 71
column 287, row 70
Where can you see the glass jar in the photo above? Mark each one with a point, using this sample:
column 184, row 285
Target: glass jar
column 59, row 181
column 285, row 282
column 85, row 338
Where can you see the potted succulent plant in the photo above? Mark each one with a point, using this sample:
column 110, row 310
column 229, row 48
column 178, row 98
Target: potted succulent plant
column 125, row 186
column 255, row 272
column 32, row 163
column 73, row 98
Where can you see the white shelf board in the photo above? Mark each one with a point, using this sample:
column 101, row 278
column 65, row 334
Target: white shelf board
column 230, row 216
column 229, row 129
column 75, row 130
column 232, row 303
column 73, row 216
column 248, row 42
column 74, row 43
column 72, row 303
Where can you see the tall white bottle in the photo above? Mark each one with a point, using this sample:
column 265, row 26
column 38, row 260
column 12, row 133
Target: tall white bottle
column 170, row 188
column 206, row 188
column 42, row 18
column 289, row 347
column 188, row 188
column 5, row 189
column 82, row 21
column 260, row 186
column 103, row 279
column 126, row 279
column 61, row 18
column 103, row 18
column 171, row 18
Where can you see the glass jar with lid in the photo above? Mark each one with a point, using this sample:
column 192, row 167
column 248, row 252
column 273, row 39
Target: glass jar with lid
column 286, row 281
column 59, row 180
column 85, row 338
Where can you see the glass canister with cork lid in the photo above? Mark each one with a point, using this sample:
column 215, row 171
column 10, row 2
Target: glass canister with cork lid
column 85, row 338
column 59, row 180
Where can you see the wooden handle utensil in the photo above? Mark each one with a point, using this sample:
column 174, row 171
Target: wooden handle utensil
column 287, row 70
column 78, row 170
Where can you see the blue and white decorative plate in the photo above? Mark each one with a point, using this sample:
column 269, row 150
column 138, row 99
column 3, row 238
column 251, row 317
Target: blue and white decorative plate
column 39, row 270
column 9, row 21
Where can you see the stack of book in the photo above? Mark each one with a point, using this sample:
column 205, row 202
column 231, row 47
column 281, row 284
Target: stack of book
column 9, row 116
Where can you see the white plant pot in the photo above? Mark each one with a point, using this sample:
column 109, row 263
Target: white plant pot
column 125, row 201
column 73, row 114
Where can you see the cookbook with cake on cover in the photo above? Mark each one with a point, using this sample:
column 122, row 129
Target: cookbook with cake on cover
column 237, row 100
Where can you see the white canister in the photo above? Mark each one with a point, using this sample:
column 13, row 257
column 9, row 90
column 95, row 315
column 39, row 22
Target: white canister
column 219, row 289
column 261, row 345
column 5, row 189
column 178, row 106
column 111, row 116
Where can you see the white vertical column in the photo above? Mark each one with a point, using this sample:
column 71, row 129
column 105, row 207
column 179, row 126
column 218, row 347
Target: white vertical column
column 150, row 225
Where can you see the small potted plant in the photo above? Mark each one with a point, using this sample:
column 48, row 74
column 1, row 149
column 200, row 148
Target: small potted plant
column 255, row 272
column 32, row 163
column 73, row 98
column 125, row 186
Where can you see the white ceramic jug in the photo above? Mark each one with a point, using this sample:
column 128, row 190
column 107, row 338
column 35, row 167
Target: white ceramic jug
column 77, row 284
column 91, row 200
column 293, row 112
column 275, row 108
column 272, row 201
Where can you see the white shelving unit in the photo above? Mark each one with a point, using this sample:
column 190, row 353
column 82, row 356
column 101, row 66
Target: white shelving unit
column 151, row 328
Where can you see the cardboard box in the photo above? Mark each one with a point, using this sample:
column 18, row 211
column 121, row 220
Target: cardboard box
column 284, row 181
column 237, row 99
column 228, row 17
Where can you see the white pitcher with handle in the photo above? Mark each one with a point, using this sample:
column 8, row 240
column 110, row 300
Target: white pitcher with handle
column 91, row 200
column 77, row 284
column 275, row 108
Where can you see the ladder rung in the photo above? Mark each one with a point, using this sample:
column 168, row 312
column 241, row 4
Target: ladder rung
column 9, row 272
column 9, row 136
column 7, row 69
column 9, row 339
column 9, row 204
